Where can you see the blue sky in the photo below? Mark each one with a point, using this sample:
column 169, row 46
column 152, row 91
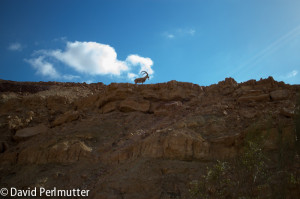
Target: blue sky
column 199, row 41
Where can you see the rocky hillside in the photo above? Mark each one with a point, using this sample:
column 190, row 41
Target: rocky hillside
column 147, row 141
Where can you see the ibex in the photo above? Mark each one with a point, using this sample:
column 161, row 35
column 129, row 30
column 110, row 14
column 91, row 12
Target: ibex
column 142, row 79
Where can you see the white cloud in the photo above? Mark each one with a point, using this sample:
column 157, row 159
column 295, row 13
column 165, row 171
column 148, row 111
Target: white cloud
column 292, row 74
column 191, row 31
column 47, row 69
column 144, row 63
column 43, row 67
column 92, row 58
column 289, row 75
column 60, row 39
column 180, row 33
column 132, row 76
column 169, row 36
column 15, row 47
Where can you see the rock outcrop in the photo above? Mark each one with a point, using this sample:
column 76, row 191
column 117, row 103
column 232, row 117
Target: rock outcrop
column 30, row 131
column 135, row 141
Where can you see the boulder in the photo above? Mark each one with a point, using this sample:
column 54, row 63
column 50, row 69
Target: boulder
column 30, row 131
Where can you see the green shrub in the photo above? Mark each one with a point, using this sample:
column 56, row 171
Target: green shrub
column 215, row 183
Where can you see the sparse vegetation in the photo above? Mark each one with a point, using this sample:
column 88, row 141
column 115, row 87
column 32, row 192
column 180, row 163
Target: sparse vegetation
column 252, row 174
column 216, row 182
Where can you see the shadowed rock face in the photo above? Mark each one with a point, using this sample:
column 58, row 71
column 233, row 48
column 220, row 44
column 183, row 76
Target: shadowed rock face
column 9, row 86
column 133, row 141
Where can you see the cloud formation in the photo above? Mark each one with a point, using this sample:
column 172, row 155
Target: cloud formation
column 292, row 74
column 169, row 35
column 189, row 31
column 144, row 63
column 43, row 67
column 180, row 33
column 89, row 58
column 15, row 47
column 132, row 76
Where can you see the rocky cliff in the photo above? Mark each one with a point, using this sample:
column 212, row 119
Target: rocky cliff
column 138, row 141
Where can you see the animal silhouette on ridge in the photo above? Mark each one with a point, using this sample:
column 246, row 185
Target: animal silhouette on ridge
column 142, row 79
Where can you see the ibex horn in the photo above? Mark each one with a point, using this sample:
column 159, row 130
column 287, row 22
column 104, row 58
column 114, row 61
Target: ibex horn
column 144, row 72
